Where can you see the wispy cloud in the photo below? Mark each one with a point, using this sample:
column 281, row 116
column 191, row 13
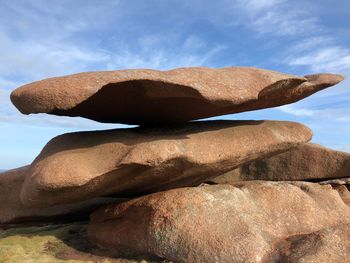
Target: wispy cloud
column 277, row 17
column 329, row 59
column 310, row 44
column 39, row 39
column 296, row 111
column 157, row 56
column 307, row 44
column 32, row 59
column 330, row 113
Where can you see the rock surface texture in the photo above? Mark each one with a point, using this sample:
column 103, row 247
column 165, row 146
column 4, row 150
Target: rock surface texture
column 78, row 166
column 148, row 96
column 327, row 245
column 305, row 162
column 223, row 223
column 342, row 185
column 13, row 211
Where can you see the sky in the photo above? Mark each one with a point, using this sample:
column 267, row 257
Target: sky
column 41, row 39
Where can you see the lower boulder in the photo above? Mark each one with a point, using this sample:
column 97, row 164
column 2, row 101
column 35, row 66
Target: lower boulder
column 219, row 223
column 13, row 211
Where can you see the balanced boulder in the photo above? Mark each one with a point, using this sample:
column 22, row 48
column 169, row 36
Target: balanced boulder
column 306, row 162
column 219, row 223
column 13, row 211
column 79, row 166
column 142, row 96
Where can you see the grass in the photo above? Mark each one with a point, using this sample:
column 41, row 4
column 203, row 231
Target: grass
column 55, row 244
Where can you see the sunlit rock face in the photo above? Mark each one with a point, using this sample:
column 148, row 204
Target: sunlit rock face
column 78, row 166
column 249, row 222
column 157, row 97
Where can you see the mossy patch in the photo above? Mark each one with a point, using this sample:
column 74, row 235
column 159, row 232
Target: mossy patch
column 55, row 244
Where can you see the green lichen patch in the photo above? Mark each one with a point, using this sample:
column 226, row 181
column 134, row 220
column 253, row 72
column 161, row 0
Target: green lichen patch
column 55, row 244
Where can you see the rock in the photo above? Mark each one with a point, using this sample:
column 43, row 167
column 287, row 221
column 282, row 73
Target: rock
column 13, row 211
column 342, row 185
column 305, row 162
column 344, row 193
column 219, row 223
column 78, row 166
column 327, row 245
column 142, row 96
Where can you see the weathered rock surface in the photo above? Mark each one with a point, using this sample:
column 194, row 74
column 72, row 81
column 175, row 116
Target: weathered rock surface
column 344, row 193
column 148, row 96
column 342, row 185
column 79, row 166
column 306, row 162
column 222, row 223
column 327, row 245
column 13, row 211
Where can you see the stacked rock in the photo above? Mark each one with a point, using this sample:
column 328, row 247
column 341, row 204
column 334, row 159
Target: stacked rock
column 164, row 164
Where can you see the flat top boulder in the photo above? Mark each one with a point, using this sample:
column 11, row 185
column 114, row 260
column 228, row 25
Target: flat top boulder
column 144, row 96
column 78, row 166
column 13, row 211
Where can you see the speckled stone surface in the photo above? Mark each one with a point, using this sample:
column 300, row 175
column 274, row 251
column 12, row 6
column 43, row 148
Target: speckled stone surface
column 143, row 96
column 249, row 222
column 78, row 166
column 13, row 211
column 305, row 162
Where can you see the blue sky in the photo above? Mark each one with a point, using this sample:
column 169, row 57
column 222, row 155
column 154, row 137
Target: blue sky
column 40, row 39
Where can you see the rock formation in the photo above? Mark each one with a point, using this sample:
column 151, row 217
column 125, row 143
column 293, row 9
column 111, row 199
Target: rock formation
column 263, row 211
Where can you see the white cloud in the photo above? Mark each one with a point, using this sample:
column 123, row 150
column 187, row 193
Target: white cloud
column 296, row 111
column 310, row 46
column 331, row 113
column 41, row 19
column 310, row 43
column 156, row 54
column 329, row 59
column 40, row 39
column 284, row 23
column 276, row 17
column 34, row 59
column 260, row 5
column 194, row 42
